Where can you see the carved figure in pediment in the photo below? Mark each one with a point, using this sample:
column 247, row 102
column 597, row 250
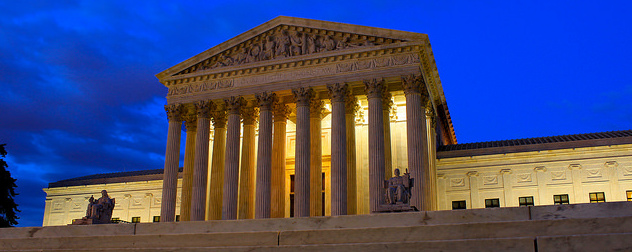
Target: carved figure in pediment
column 283, row 44
column 268, row 48
column 327, row 44
column 223, row 61
column 367, row 43
column 242, row 56
column 254, row 54
column 309, row 43
column 296, row 40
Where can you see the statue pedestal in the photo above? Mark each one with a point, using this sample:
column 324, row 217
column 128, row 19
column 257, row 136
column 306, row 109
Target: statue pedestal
column 395, row 208
column 82, row 221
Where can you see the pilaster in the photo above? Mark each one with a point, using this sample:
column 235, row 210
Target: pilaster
column 577, row 184
column 540, row 175
column 474, row 197
column 507, row 187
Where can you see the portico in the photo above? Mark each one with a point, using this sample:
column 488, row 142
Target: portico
column 269, row 91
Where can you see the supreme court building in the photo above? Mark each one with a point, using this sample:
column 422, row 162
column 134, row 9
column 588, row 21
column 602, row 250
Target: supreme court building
column 299, row 117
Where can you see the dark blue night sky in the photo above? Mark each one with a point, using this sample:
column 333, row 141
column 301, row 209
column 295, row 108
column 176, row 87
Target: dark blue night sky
column 79, row 95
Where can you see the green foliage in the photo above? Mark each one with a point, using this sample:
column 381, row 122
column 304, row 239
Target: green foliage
column 8, row 208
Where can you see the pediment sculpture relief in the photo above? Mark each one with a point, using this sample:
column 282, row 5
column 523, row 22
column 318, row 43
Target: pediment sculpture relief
column 286, row 43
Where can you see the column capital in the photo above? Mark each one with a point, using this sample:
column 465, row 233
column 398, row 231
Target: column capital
column 316, row 108
column 351, row 104
column 234, row 103
column 219, row 117
column 266, row 100
column 413, row 84
column 174, row 112
column 303, row 95
column 337, row 92
column 249, row 114
column 281, row 111
column 387, row 100
column 374, row 88
column 190, row 121
column 203, row 108
column 430, row 113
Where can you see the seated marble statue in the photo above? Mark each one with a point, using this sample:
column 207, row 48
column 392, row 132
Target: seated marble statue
column 100, row 211
column 398, row 188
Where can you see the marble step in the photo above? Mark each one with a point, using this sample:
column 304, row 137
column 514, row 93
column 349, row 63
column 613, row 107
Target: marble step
column 585, row 242
column 460, row 231
column 504, row 244
column 609, row 209
column 426, row 233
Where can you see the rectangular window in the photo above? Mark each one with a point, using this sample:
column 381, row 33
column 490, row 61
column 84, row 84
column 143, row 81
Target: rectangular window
column 561, row 199
column 177, row 218
column 135, row 219
column 458, row 205
column 491, row 203
column 156, row 218
column 597, row 197
column 525, row 201
column 629, row 194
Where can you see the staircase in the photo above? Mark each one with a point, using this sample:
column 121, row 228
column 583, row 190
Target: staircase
column 579, row 227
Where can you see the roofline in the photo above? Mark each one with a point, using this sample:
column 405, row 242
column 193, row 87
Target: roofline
column 536, row 144
column 115, row 177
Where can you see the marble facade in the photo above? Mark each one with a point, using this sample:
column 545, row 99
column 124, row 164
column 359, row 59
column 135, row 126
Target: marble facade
column 270, row 111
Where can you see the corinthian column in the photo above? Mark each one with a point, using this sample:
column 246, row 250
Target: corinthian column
column 414, row 87
column 374, row 91
column 216, row 190
column 316, row 112
column 277, row 187
column 302, row 163
column 264, row 155
column 187, row 173
column 231, row 167
column 200, row 172
column 387, row 103
column 351, row 107
column 172, row 160
column 246, row 205
column 337, row 93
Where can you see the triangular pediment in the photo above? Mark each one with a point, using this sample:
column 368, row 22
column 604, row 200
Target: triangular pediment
column 286, row 38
